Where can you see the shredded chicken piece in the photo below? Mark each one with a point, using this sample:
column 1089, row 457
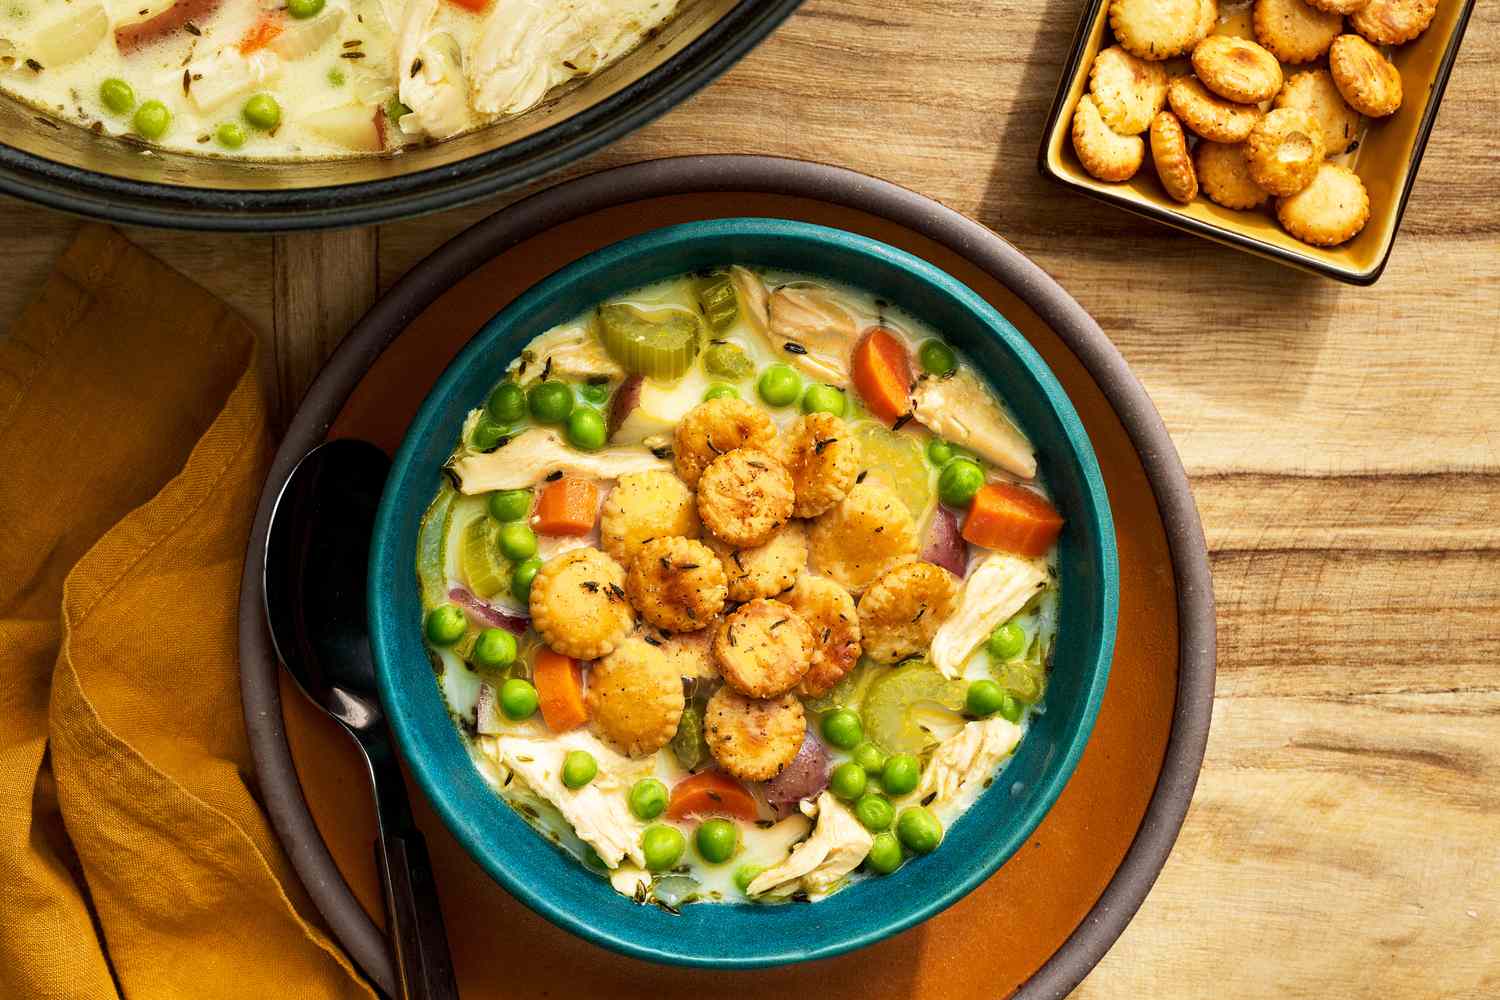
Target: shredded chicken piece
column 815, row 321
column 753, row 297
column 537, row 453
column 570, row 351
column 964, row 761
column 961, row 410
column 598, row 811
column 998, row 587
column 433, row 86
column 838, row 844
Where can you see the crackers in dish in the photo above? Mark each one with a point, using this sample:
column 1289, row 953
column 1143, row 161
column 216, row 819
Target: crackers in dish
column 1225, row 176
column 1103, row 152
column 1368, row 81
column 1127, row 90
column 1284, row 151
column 1156, row 29
column 1293, row 31
column 1173, row 161
column 1330, row 210
column 1237, row 69
column 1314, row 91
column 1393, row 22
column 1208, row 114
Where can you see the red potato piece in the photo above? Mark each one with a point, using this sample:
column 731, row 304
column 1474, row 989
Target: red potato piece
column 944, row 546
column 130, row 37
column 626, row 399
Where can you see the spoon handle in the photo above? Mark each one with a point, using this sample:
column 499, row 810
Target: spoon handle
column 413, row 917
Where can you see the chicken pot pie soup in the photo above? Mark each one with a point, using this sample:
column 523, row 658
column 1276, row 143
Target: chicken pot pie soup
column 741, row 587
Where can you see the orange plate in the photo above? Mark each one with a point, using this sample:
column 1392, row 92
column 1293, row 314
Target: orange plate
column 985, row 946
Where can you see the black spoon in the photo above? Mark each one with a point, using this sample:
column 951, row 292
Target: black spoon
column 317, row 552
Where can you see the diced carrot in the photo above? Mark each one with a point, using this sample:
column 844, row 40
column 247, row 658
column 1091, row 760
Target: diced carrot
column 261, row 34
column 709, row 793
column 567, row 507
column 473, row 6
column 882, row 374
column 559, row 688
column 1013, row 519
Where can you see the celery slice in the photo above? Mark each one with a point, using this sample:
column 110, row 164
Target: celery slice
column 716, row 296
column 432, row 547
column 907, row 708
column 485, row 570
column 662, row 345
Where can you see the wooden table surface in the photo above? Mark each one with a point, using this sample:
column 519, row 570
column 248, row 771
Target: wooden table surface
column 1344, row 446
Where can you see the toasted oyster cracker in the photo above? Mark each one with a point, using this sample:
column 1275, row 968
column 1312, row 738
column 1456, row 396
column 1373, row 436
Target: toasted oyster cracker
column 710, row 429
column 1330, row 210
column 1338, row 6
column 1104, row 153
column 676, row 583
column 764, row 570
column 578, row 604
column 690, row 653
column 744, row 496
column 646, row 505
column 753, row 738
column 864, row 534
column 1208, row 19
column 1393, row 22
column 1209, row 115
column 1174, row 164
column 1284, row 151
column 1225, row 177
column 763, row 648
column 1315, row 92
column 1294, row 32
column 1368, row 81
column 830, row 613
column 823, row 460
column 635, row 698
column 1237, row 69
column 1156, row 29
column 1127, row 90
column 901, row 612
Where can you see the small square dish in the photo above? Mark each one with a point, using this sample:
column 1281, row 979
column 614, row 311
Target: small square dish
column 1385, row 153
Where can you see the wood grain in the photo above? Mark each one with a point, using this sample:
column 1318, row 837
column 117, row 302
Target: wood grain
column 1343, row 444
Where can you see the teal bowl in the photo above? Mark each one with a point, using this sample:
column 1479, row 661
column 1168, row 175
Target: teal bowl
column 746, row 935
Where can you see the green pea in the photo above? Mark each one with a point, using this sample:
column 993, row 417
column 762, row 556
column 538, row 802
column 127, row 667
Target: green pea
column 152, row 120
column 919, row 830
column 1011, row 708
column 230, row 135
column 518, row 699
column 870, row 757
column 336, row 77
column 848, row 781
column 594, row 392
column 117, row 95
column 520, row 579
column 304, row 8
column 875, row 812
column 901, row 774
column 959, row 481
column 939, row 452
column 579, row 768
column 510, row 505
column 495, row 647
column 486, row 434
column 984, row 698
column 507, row 404
column 446, row 624
column 745, row 874
column 550, row 401
column 824, row 399
column 262, row 112
column 1007, row 642
column 586, row 429
column 936, row 357
column 885, row 854
column 779, row 385
column 716, row 840
column 842, row 728
column 720, row 391
column 517, row 541
column 662, row 846
column 648, row 799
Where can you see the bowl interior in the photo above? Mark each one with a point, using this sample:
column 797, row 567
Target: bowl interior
column 742, row 935
column 1389, row 153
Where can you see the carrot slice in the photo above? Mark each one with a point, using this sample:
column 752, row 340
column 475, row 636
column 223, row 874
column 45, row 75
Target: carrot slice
column 473, row 6
column 559, row 688
column 1013, row 519
column 567, row 507
column 710, row 792
column 261, row 34
column 882, row 374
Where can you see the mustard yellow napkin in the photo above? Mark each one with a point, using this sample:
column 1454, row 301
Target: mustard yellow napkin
column 134, row 858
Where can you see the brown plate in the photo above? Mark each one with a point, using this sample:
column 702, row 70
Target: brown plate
column 1387, row 158
column 1044, row 920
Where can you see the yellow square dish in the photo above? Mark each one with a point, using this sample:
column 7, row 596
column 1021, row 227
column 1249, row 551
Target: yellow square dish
column 1386, row 159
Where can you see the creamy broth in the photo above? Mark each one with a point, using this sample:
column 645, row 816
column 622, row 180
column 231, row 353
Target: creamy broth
column 305, row 79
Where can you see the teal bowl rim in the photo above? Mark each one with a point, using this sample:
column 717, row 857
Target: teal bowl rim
column 401, row 710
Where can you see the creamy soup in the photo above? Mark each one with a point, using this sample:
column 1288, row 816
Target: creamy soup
column 740, row 587
column 305, row 78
